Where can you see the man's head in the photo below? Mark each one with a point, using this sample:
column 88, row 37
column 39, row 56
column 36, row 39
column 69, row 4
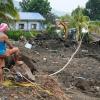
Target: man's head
column 3, row 27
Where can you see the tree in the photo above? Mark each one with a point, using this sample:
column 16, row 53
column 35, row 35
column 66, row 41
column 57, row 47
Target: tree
column 7, row 10
column 93, row 8
column 80, row 21
column 41, row 6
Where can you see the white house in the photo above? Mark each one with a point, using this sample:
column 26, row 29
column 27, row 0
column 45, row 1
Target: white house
column 29, row 21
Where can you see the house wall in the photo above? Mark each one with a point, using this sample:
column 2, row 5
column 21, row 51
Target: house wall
column 28, row 25
column 21, row 22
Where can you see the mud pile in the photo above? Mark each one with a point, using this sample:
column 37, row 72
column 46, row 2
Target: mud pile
column 79, row 81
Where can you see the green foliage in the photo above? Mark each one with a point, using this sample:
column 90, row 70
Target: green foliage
column 16, row 34
column 95, row 26
column 80, row 21
column 7, row 8
column 51, row 31
column 41, row 6
column 93, row 8
column 65, row 18
column 50, row 18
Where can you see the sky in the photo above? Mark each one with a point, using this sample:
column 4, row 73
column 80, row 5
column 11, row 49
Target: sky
column 66, row 5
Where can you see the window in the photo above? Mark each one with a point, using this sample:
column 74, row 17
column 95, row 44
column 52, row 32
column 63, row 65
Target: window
column 33, row 26
column 21, row 26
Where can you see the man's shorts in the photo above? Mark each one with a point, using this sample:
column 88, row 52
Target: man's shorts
column 8, row 53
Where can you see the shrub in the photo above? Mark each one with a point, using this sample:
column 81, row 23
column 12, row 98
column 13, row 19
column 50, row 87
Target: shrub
column 51, row 30
column 16, row 34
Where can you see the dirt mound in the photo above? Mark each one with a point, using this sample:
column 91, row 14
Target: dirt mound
column 79, row 81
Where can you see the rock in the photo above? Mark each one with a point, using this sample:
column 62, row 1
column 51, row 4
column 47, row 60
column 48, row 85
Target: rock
column 29, row 62
column 82, row 84
column 23, row 71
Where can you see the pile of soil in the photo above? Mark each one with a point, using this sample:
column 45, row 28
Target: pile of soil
column 79, row 81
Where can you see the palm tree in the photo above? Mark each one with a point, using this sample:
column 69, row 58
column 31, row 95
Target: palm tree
column 77, row 20
column 7, row 10
column 80, row 21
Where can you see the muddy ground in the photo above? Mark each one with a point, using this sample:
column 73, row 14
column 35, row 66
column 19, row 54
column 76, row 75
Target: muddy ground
column 79, row 81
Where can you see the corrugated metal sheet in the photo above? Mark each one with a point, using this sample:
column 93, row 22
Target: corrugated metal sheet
column 30, row 16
